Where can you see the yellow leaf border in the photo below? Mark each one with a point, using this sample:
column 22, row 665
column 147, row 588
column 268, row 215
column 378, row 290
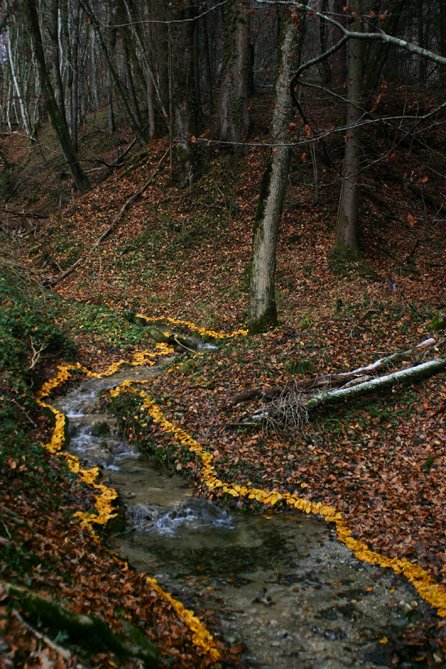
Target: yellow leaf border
column 432, row 592
column 104, row 495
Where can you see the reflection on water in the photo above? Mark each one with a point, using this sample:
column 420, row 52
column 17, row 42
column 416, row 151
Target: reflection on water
column 279, row 584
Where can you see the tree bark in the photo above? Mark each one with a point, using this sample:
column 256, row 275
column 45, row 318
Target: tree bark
column 263, row 310
column 346, row 243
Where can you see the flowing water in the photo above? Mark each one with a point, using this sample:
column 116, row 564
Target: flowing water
column 278, row 584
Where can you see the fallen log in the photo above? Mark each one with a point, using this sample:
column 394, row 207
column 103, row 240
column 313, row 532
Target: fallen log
column 350, row 378
column 407, row 375
column 290, row 411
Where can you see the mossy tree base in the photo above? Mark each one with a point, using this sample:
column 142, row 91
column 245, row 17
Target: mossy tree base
column 266, row 322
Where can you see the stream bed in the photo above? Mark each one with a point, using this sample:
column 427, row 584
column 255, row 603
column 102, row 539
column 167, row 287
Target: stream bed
column 278, row 584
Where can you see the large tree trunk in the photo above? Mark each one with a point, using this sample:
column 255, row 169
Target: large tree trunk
column 58, row 118
column 263, row 310
column 346, row 233
column 232, row 112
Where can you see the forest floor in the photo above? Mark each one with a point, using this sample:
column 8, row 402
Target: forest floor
column 184, row 253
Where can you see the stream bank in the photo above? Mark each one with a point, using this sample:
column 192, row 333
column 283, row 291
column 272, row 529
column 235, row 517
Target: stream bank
column 278, row 585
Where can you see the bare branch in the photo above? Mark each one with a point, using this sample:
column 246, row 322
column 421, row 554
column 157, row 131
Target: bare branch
column 36, row 354
column 166, row 22
column 379, row 36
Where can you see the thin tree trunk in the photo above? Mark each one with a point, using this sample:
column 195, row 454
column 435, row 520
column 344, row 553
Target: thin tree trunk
column 421, row 41
column 263, row 310
column 339, row 61
column 109, row 86
column 58, row 119
column 346, row 225
column 71, row 29
column 152, row 89
column 323, row 37
column 120, row 89
column 375, row 63
column 17, row 87
column 57, row 75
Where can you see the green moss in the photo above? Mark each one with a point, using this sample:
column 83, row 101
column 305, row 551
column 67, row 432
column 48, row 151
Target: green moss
column 89, row 633
column 266, row 322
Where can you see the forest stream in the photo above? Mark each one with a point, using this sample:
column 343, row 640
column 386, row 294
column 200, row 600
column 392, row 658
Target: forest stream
column 278, row 584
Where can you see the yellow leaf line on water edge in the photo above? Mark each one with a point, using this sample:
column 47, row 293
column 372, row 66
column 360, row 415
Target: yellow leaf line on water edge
column 104, row 495
column 431, row 591
column 191, row 326
column 201, row 637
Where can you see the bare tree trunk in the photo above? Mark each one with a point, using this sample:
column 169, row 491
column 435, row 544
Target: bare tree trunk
column 13, row 65
column 323, row 38
column 183, row 92
column 263, row 310
column 111, row 45
column 346, row 225
column 339, row 61
column 377, row 54
column 71, row 31
column 232, row 108
column 147, row 73
column 422, row 64
column 53, row 30
column 119, row 87
column 58, row 119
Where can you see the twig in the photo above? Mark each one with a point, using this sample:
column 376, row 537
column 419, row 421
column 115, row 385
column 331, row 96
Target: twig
column 33, row 423
column 51, row 644
column 28, row 214
column 177, row 341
